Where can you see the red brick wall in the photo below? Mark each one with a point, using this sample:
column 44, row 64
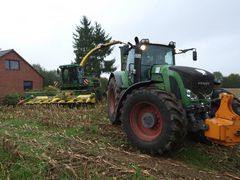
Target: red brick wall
column 12, row 80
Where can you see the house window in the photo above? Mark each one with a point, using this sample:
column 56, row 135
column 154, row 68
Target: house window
column 27, row 85
column 12, row 64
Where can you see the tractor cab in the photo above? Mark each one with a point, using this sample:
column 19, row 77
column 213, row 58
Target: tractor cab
column 145, row 59
column 140, row 58
column 147, row 56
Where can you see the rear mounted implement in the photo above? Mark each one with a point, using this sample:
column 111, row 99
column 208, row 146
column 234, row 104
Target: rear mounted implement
column 224, row 128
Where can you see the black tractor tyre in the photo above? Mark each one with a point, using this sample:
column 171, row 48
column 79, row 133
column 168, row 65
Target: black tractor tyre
column 113, row 95
column 153, row 120
column 215, row 104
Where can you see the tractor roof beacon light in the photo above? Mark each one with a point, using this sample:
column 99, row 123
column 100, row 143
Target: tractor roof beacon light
column 144, row 41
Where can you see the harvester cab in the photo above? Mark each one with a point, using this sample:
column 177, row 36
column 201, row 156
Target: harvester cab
column 158, row 103
column 73, row 78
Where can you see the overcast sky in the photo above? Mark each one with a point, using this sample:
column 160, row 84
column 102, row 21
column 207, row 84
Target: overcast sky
column 41, row 31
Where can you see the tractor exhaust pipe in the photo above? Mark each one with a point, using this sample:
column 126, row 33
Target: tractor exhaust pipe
column 137, row 61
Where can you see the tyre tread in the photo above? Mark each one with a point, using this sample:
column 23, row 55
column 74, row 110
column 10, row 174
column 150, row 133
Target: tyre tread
column 177, row 118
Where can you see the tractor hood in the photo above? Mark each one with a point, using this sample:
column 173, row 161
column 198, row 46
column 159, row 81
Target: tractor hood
column 199, row 81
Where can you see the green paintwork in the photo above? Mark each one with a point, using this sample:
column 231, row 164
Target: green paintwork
column 185, row 100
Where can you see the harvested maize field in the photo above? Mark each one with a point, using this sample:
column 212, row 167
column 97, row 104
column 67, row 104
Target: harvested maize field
column 47, row 142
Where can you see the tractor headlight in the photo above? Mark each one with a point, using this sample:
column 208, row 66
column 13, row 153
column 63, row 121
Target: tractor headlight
column 191, row 95
column 143, row 47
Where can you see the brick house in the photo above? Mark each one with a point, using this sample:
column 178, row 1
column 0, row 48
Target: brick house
column 16, row 74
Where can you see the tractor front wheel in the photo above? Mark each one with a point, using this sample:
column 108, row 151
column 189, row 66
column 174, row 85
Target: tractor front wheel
column 153, row 120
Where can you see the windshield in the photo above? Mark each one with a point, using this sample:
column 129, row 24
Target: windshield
column 70, row 75
column 156, row 54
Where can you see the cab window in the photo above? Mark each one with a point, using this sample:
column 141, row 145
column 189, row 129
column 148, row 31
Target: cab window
column 130, row 60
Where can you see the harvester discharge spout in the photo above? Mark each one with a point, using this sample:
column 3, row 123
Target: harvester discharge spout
column 86, row 57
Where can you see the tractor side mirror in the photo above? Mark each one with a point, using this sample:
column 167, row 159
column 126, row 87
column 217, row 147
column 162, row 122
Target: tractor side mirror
column 194, row 55
column 58, row 71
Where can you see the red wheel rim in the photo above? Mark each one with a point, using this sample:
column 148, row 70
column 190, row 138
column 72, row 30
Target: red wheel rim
column 111, row 100
column 138, row 116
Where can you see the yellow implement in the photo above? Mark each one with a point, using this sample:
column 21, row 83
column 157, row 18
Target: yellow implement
column 224, row 128
column 89, row 98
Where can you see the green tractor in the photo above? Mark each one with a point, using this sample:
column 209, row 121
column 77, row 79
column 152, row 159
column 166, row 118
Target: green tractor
column 158, row 103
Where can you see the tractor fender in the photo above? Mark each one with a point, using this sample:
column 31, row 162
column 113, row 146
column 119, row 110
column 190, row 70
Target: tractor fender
column 117, row 78
column 125, row 92
column 120, row 78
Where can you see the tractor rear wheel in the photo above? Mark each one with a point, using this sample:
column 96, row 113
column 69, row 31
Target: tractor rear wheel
column 153, row 120
column 113, row 94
